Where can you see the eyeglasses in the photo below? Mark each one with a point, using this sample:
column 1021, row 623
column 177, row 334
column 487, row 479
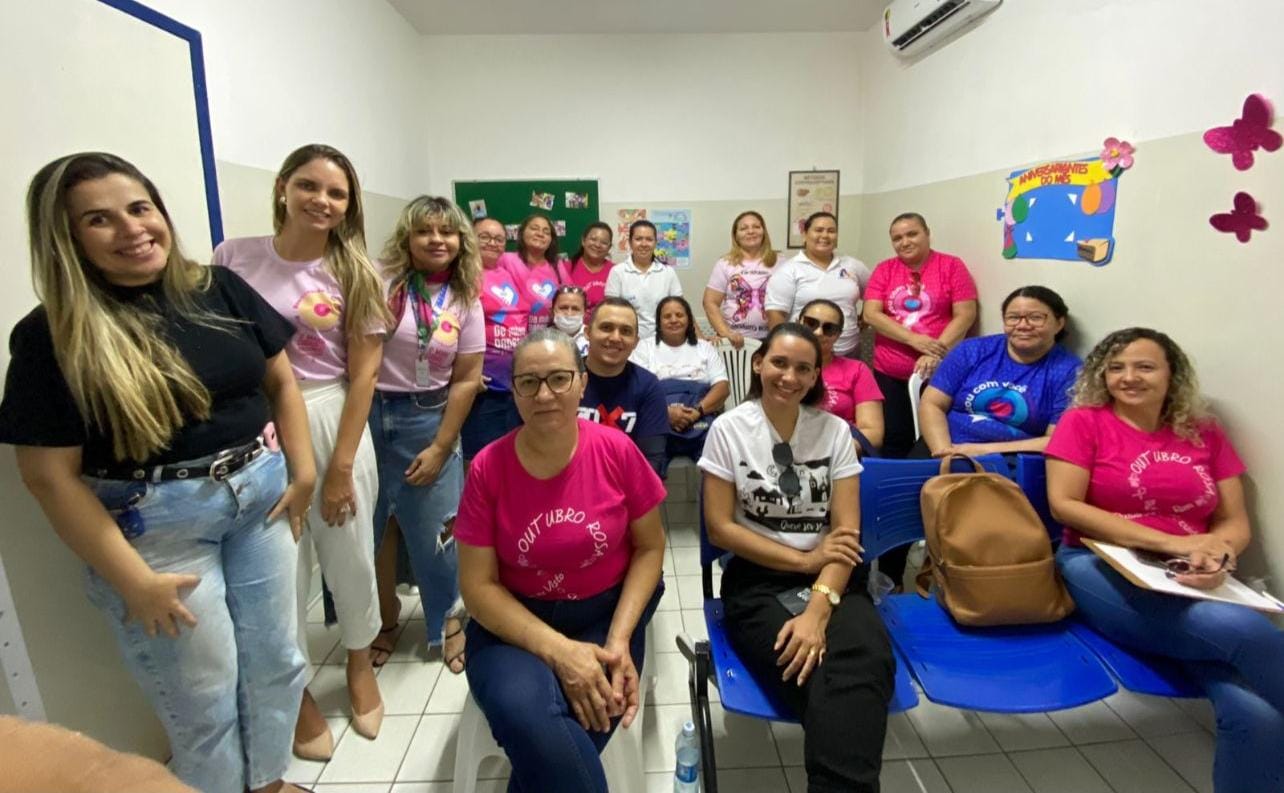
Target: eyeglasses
column 1035, row 320
column 916, row 283
column 569, row 289
column 559, row 382
column 492, row 239
column 1180, row 565
column 827, row 329
column 783, row 454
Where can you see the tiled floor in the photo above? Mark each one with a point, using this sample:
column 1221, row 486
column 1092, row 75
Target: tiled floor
column 1128, row 743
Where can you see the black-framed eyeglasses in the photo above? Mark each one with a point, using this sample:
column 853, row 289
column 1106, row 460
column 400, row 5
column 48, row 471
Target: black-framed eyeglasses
column 559, row 381
column 1180, row 565
column 783, row 455
column 823, row 328
column 1036, row 320
column 492, row 239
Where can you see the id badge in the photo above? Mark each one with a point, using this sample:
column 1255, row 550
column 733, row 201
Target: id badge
column 421, row 371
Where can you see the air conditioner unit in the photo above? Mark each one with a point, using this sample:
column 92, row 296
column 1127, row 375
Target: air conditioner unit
column 911, row 27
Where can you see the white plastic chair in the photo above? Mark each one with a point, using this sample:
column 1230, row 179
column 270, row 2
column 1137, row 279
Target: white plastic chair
column 621, row 759
column 916, row 383
column 739, row 365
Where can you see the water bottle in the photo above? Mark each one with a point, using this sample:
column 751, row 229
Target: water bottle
column 686, row 775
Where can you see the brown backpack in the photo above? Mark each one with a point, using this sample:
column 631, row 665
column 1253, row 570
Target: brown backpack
column 987, row 551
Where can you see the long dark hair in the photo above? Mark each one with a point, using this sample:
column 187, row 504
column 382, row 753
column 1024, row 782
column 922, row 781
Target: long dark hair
column 579, row 252
column 659, row 309
column 1048, row 298
column 817, row 392
column 550, row 255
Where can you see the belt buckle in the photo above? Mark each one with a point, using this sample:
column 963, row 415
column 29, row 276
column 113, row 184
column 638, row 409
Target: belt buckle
column 220, row 468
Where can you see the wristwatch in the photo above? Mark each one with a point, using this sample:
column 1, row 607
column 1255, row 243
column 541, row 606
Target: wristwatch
column 834, row 597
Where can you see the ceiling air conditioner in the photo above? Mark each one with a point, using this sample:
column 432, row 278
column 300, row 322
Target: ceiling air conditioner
column 911, row 27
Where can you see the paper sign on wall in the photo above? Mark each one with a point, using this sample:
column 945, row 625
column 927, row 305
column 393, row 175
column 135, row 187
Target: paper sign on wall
column 672, row 236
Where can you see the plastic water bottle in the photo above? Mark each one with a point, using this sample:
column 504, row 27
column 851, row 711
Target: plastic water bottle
column 686, row 775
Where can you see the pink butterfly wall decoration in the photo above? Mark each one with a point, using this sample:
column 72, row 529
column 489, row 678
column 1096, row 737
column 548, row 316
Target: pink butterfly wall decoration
column 1241, row 221
column 1251, row 131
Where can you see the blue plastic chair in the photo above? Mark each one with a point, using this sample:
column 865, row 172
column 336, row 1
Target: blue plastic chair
column 1031, row 473
column 1009, row 669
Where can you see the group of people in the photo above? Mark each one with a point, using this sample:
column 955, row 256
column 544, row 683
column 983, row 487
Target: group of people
column 497, row 425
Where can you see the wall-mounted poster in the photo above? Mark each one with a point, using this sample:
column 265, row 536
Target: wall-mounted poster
column 672, row 236
column 810, row 192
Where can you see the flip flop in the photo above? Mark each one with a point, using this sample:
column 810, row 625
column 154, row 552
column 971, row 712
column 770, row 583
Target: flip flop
column 382, row 647
column 459, row 656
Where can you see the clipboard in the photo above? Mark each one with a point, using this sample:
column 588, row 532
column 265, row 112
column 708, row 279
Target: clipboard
column 1147, row 576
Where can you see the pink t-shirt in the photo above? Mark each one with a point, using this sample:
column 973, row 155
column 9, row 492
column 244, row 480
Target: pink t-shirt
column 564, row 538
column 538, row 285
column 504, row 304
column 848, row 383
column 926, row 308
column 593, row 284
column 744, row 295
column 460, row 330
column 306, row 294
column 1157, row 479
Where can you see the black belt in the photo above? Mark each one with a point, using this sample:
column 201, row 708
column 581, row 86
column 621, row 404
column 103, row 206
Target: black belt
column 220, row 466
column 434, row 398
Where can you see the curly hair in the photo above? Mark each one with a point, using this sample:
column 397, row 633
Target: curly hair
column 1184, row 409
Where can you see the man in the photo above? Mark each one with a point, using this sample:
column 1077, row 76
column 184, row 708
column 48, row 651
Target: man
column 622, row 394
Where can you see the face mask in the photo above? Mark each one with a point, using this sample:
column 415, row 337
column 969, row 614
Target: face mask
column 569, row 324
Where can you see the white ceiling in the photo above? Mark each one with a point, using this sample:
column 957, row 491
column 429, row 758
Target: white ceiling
column 475, row 17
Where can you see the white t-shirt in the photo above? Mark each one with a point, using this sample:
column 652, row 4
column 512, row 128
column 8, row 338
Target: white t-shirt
column 738, row 450
column 797, row 282
column 700, row 362
column 644, row 290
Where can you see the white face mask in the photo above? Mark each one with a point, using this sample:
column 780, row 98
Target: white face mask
column 569, row 324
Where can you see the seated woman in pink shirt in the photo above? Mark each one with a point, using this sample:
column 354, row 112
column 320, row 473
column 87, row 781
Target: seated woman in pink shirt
column 850, row 390
column 560, row 555
column 1138, row 462
column 535, row 260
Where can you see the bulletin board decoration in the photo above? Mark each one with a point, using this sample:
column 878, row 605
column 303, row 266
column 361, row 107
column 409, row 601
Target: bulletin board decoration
column 809, row 192
column 1241, row 221
column 571, row 205
column 624, row 218
column 1065, row 209
column 1251, row 131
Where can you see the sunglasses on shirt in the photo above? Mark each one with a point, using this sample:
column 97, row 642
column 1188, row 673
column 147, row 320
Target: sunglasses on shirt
column 783, row 455
column 823, row 328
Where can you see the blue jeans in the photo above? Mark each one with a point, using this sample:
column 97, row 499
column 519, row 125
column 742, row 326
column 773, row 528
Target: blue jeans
column 402, row 426
column 1233, row 652
column 523, row 700
column 228, row 690
column 493, row 416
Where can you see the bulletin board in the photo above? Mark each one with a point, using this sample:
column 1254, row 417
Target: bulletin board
column 572, row 204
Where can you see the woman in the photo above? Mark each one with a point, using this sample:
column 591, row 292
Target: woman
column 139, row 396
column 431, row 369
column 535, row 263
column 642, row 280
column 785, row 502
column 1002, row 393
column 850, row 391
column 920, row 303
column 506, row 310
column 569, row 311
column 589, row 268
column 1138, row 462
column 736, row 298
column 560, row 558
column 819, row 272
column 314, row 271
column 692, row 374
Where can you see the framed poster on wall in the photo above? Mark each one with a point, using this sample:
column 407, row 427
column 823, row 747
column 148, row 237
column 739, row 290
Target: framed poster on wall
column 810, row 192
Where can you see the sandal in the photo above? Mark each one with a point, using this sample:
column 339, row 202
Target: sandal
column 383, row 645
column 458, row 657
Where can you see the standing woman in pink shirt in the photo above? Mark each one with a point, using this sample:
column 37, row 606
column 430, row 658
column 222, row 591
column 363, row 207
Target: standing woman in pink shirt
column 589, row 268
column 536, row 259
column 315, row 273
column 735, row 301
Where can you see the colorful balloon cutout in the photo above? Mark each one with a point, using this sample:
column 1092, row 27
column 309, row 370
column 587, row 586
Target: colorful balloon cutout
column 1090, row 201
column 1020, row 209
column 1107, row 196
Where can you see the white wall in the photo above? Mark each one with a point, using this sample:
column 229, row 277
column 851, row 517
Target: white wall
column 654, row 118
column 1039, row 79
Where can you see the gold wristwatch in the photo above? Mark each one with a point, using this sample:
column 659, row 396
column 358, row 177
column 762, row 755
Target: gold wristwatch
column 834, row 597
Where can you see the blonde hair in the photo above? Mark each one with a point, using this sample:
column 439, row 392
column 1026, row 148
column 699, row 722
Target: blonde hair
column 345, row 250
column 1184, row 410
column 126, row 379
column 736, row 256
column 465, row 273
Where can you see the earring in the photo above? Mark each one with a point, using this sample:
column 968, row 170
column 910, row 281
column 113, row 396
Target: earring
column 281, row 199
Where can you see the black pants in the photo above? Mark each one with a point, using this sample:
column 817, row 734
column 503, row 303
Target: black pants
column 843, row 705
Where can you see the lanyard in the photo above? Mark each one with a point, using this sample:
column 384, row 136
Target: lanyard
column 426, row 316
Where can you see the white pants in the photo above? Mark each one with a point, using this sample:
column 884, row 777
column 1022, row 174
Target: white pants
column 346, row 552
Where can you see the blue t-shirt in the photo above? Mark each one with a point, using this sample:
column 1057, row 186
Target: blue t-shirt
column 634, row 403
column 998, row 399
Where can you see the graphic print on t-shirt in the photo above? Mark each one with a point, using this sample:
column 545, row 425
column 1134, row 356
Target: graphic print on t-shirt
column 1174, row 472
column 317, row 311
column 507, row 297
column 907, row 305
column 806, row 513
column 615, row 418
column 746, row 296
column 542, row 292
column 1003, row 402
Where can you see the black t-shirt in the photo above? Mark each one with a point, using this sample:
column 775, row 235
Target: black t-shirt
column 38, row 408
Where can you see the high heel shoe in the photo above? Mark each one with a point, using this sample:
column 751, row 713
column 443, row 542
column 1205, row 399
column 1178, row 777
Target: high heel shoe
column 367, row 724
column 318, row 748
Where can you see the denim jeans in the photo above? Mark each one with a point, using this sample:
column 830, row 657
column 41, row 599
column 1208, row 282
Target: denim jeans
column 228, row 690
column 523, row 700
column 1232, row 651
column 403, row 425
column 493, row 416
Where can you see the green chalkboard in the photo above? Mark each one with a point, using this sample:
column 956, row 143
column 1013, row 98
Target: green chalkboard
column 511, row 201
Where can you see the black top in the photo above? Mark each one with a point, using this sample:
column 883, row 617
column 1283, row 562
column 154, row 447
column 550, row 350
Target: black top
column 38, row 408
